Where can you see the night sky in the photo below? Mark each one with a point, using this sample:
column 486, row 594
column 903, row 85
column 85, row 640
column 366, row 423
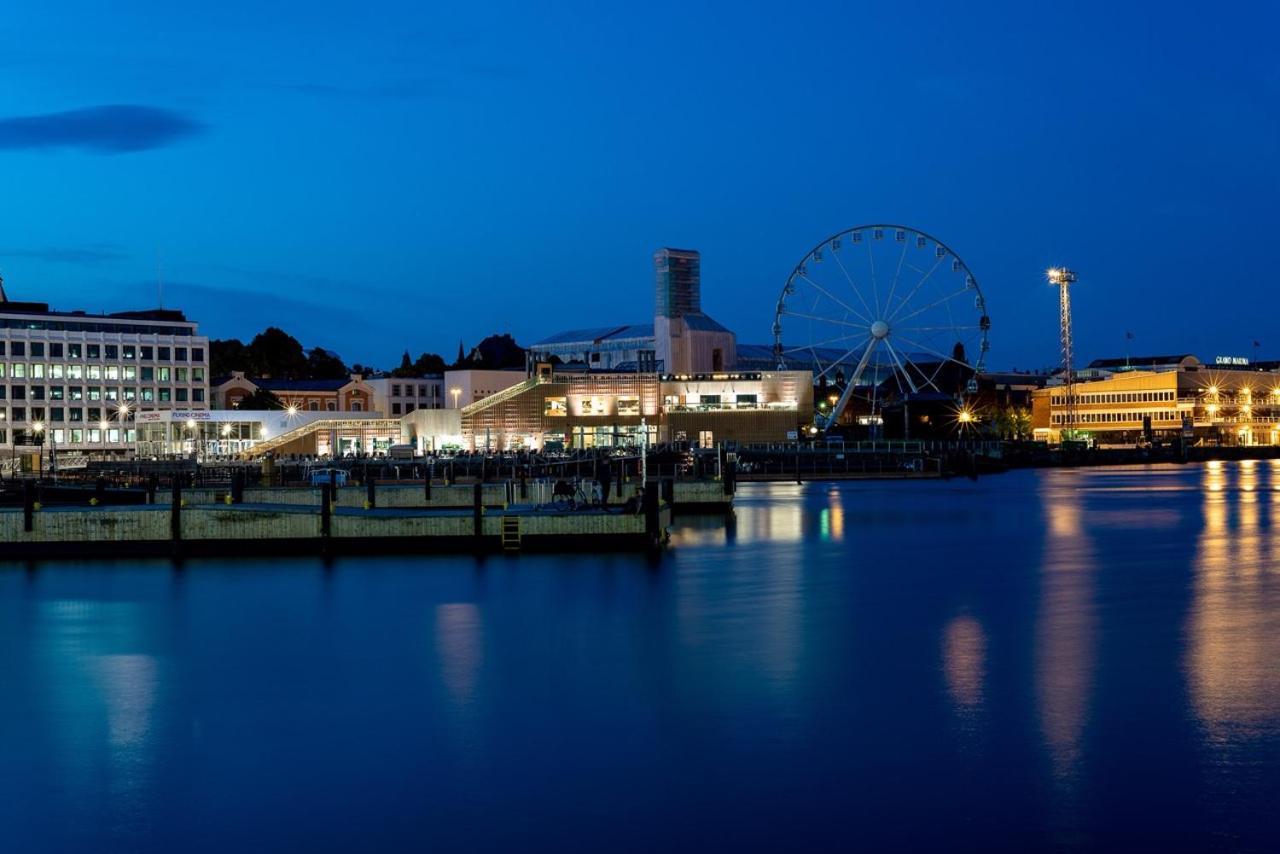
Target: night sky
column 381, row 176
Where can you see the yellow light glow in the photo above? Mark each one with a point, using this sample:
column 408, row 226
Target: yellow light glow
column 1213, row 407
column 965, row 416
column 1213, row 389
column 191, row 424
column 292, row 410
column 38, row 426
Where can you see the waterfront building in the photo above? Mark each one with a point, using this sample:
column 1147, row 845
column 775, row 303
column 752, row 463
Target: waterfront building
column 206, row 433
column 74, row 382
column 682, row 339
column 1172, row 397
column 352, row 394
column 396, row 396
column 554, row 409
column 469, row 385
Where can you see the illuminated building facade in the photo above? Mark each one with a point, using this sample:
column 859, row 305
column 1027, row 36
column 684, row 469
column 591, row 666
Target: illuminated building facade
column 352, row 394
column 592, row 410
column 73, row 382
column 1228, row 405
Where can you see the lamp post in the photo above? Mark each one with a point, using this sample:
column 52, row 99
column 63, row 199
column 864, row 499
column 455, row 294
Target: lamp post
column 191, row 425
column 38, row 429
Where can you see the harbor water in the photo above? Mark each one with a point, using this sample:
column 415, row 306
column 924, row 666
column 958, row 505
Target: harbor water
column 1070, row 658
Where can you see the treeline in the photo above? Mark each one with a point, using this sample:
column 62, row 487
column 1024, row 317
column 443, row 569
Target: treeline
column 275, row 353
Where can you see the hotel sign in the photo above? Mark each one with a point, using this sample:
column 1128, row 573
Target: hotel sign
column 1230, row 360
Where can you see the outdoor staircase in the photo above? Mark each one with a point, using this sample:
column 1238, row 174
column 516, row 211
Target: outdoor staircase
column 511, row 533
column 499, row 397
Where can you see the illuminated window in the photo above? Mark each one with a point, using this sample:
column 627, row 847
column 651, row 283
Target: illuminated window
column 628, row 406
column 557, row 407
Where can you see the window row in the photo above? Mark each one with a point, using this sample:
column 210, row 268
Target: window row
column 56, row 414
column 1060, row 399
column 72, row 436
column 93, row 392
column 405, row 409
column 1118, row 417
column 127, row 373
column 424, row 391
column 78, row 350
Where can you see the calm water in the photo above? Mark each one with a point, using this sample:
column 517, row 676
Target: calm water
column 1050, row 658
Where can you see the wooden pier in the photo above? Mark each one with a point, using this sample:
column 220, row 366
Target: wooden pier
column 349, row 520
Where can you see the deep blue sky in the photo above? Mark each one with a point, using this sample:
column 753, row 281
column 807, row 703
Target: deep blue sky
column 382, row 176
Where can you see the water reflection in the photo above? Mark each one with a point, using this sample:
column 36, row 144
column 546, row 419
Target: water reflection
column 964, row 651
column 1233, row 652
column 1066, row 626
column 458, row 643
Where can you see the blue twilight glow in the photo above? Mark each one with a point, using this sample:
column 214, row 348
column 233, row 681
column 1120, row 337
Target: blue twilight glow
column 399, row 175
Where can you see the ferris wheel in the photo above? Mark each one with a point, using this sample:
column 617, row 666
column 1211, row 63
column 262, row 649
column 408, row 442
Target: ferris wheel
column 882, row 310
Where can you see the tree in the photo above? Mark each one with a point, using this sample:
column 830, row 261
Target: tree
column 406, row 366
column 227, row 355
column 497, row 352
column 325, row 365
column 275, row 353
column 428, row 363
column 261, row 399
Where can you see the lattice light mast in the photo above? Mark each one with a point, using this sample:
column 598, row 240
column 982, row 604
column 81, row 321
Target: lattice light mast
column 1063, row 279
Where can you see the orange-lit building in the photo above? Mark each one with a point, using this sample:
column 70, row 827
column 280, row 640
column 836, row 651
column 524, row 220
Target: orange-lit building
column 352, row 394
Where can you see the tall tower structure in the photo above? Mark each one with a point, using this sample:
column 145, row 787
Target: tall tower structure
column 1063, row 279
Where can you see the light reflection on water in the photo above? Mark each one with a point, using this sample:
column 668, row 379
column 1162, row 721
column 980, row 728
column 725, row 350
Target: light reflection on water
column 1066, row 626
column 1233, row 658
column 997, row 652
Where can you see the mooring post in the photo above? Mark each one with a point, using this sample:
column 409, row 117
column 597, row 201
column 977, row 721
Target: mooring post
column 237, row 487
column 730, row 476
column 153, row 484
column 477, row 510
column 651, row 526
column 28, row 505
column 426, row 483
column 326, row 508
column 175, row 512
column 797, row 461
column 371, row 489
column 100, row 489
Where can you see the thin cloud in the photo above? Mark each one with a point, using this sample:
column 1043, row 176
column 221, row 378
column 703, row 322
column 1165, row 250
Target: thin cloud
column 93, row 255
column 108, row 129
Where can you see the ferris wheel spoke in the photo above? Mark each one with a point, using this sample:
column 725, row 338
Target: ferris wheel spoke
column 907, row 299
column 875, row 288
column 841, row 360
column 822, row 319
column 807, row 347
column 933, row 352
column 902, row 366
column 897, row 328
column 902, row 256
column 840, row 303
column 934, row 304
column 836, row 255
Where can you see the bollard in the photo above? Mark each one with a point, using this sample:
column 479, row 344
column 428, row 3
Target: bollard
column 477, row 510
column 28, row 505
column 153, row 483
column 326, row 508
column 371, row 487
column 730, row 476
column 175, row 512
column 426, row 486
column 100, row 490
column 651, row 527
column 237, row 488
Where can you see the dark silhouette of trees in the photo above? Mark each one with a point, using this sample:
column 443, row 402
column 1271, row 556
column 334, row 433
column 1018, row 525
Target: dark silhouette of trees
column 261, row 399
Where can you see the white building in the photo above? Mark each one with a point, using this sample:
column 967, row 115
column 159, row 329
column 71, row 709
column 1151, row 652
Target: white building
column 78, row 381
column 467, row 386
column 396, row 396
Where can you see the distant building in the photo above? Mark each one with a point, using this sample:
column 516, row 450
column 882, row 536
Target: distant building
column 469, row 385
column 75, row 381
column 395, row 396
column 352, row 394
column 1169, row 397
column 682, row 339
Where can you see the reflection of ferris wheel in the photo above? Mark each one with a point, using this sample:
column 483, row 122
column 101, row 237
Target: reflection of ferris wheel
column 882, row 307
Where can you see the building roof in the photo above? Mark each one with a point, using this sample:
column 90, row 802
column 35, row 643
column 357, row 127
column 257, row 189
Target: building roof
column 597, row 334
column 298, row 385
column 703, row 323
column 1112, row 364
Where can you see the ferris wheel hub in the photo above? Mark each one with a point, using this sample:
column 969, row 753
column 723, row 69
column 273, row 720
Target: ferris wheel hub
column 880, row 330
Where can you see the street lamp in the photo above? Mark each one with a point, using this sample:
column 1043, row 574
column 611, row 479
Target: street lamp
column 38, row 429
column 191, row 425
